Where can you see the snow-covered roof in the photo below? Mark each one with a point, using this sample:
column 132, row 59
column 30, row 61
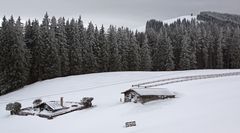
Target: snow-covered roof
column 54, row 105
column 151, row 91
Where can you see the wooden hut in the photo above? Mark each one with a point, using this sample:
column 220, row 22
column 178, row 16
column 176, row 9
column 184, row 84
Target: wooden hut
column 144, row 95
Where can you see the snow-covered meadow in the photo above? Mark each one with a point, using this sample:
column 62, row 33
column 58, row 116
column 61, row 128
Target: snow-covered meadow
column 201, row 106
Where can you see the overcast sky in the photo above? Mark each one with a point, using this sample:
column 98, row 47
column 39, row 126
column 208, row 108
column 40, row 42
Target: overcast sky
column 131, row 13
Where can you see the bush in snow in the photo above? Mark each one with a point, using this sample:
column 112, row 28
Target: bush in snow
column 37, row 102
column 14, row 108
column 87, row 101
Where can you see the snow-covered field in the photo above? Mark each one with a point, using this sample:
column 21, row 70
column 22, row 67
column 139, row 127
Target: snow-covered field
column 201, row 106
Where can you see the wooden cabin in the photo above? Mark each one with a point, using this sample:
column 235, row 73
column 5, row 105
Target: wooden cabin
column 144, row 95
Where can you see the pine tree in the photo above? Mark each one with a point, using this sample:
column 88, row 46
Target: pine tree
column 50, row 59
column 123, row 47
column 185, row 62
column 14, row 62
column 96, row 49
column 133, row 54
column 164, row 52
column 193, row 45
column 235, row 49
column 89, row 60
column 112, row 42
column 169, row 62
column 202, row 49
column 103, row 57
column 210, row 43
column 36, row 54
column 75, row 49
column 145, row 54
column 219, row 52
column 63, row 50
column 152, row 37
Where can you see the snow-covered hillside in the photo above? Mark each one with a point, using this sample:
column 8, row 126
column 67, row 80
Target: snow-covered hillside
column 201, row 106
column 170, row 21
column 187, row 17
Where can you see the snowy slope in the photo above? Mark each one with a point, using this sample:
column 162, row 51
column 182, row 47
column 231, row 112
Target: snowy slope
column 169, row 21
column 201, row 106
column 187, row 17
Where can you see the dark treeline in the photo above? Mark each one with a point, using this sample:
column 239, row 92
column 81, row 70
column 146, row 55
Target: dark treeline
column 59, row 47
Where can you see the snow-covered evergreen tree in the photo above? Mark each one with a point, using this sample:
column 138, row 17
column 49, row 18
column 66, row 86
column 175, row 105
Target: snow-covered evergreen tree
column 89, row 60
column 75, row 48
column 50, row 63
column 235, row 49
column 13, row 55
column 219, row 51
column 112, row 42
column 185, row 56
column 103, row 56
column 133, row 54
column 122, row 42
column 63, row 48
column 169, row 62
column 145, row 54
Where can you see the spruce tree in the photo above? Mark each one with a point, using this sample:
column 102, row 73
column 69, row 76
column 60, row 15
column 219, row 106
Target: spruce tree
column 49, row 51
column 14, row 62
column 89, row 60
column 152, row 37
column 63, row 50
column 169, row 62
column 103, row 57
column 112, row 42
column 235, row 49
column 145, row 54
column 133, row 54
column 35, row 46
column 75, row 49
column 219, row 52
column 123, row 47
column 185, row 59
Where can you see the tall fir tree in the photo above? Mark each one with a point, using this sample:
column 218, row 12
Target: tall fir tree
column 34, row 45
column 152, row 37
column 235, row 49
column 219, row 51
column 133, row 53
column 169, row 61
column 75, row 49
column 202, row 49
column 145, row 54
column 123, row 47
column 63, row 48
column 50, row 65
column 14, row 62
column 89, row 59
column 112, row 42
column 103, row 57
column 185, row 59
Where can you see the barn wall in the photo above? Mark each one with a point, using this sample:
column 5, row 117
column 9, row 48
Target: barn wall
column 149, row 98
column 128, row 96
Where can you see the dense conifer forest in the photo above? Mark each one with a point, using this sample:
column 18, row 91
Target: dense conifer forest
column 57, row 47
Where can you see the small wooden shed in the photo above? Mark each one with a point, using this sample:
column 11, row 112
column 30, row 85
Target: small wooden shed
column 144, row 95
